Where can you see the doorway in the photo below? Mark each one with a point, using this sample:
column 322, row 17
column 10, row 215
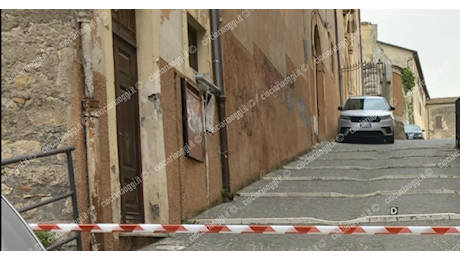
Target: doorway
column 319, row 81
column 128, row 130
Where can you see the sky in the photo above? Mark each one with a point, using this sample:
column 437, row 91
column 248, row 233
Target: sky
column 434, row 34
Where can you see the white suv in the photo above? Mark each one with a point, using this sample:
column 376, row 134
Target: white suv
column 367, row 117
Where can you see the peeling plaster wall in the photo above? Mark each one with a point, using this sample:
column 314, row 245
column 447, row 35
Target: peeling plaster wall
column 447, row 110
column 186, row 178
column 152, row 135
column 260, row 52
column 172, row 39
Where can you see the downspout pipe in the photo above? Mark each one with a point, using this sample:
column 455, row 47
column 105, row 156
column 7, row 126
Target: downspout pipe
column 91, row 121
column 215, row 89
column 84, row 17
column 339, row 58
column 218, row 76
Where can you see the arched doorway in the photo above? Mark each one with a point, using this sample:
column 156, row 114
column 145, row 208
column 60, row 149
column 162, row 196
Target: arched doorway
column 320, row 127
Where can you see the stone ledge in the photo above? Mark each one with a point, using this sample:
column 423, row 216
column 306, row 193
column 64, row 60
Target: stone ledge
column 316, row 221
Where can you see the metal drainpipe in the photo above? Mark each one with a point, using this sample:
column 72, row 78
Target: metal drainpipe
column 91, row 121
column 218, row 75
column 339, row 58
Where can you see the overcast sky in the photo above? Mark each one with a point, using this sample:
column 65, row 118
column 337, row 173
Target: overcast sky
column 434, row 34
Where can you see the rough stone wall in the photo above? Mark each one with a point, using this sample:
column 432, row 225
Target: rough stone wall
column 36, row 108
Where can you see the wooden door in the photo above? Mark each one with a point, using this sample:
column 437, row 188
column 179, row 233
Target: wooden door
column 128, row 130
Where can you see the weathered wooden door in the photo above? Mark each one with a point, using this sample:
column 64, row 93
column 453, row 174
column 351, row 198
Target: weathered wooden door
column 129, row 156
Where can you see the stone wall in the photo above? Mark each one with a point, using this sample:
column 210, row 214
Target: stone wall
column 36, row 108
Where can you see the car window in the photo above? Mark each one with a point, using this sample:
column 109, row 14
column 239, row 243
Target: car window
column 366, row 104
column 412, row 128
column 16, row 234
column 354, row 104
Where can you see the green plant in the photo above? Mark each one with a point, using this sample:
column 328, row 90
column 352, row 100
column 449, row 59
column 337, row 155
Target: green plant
column 408, row 80
column 224, row 192
column 408, row 111
column 45, row 238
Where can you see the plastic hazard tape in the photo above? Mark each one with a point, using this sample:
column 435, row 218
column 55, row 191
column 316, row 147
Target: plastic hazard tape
column 252, row 229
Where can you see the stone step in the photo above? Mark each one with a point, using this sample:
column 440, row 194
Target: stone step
column 399, row 145
column 383, row 155
column 364, row 174
column 440, row 219
column 412, row 162
column 334, row 209
column 263, row 242
column 354, row 188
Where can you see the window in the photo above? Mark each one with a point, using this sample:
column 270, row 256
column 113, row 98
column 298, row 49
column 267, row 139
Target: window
column 438, row 122
column 193, row 41
column 366, row 104
column 412, row 128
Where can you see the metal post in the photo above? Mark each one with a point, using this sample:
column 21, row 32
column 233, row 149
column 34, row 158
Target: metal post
column 74, row 195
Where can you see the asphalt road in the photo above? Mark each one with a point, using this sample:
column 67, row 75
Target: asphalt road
column 345, row 183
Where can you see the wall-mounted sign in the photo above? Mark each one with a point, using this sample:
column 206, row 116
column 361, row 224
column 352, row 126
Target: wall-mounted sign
column 192, row 114
column 210, row 111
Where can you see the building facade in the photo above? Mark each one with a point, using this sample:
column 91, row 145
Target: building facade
column 415, row 108
column 381, row 76
column 139, row 95
column 442, row 118
column 410, row 106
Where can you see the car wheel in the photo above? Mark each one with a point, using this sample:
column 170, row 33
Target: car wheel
column 390, row 139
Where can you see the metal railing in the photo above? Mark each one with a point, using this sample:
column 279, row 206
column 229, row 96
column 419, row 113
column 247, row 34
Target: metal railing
column 72, row 193
column 370, row 77
column 374, row 77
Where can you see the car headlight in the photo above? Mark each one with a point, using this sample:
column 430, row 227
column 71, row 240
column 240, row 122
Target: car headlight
column 344, row 117
column 386, row 117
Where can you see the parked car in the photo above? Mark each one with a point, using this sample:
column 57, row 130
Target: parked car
column 414, row 132
column 16, row 233
column 365, row 117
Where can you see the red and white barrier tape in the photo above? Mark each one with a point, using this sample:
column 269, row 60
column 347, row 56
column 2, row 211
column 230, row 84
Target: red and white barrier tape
column 255, row 229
